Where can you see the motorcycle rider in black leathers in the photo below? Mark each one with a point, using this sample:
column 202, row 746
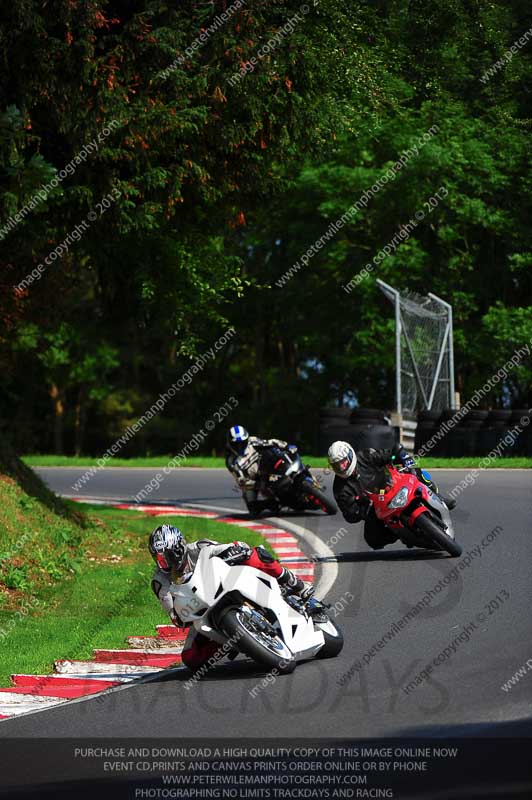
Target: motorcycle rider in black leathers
column 357, row 473
column 242, row 459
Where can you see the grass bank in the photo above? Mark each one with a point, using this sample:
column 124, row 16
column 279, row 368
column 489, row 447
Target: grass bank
column 67, row 589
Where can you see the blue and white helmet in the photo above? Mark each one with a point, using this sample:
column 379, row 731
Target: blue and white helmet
column 237, row 439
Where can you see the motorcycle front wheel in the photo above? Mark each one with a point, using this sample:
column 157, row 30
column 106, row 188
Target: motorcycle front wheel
column 334, row 640
column 428, row 528
column 259, row 645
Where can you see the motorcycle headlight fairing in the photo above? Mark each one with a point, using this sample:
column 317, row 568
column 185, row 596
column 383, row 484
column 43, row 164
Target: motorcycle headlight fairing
column 400, row 499
column 294, row 467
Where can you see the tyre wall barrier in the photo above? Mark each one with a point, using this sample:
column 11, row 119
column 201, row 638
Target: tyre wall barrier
column 359, row 436
column 478, row 433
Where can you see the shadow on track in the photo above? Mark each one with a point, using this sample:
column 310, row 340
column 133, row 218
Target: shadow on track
column 382, row 555
column 494, row 728
column 236, row 670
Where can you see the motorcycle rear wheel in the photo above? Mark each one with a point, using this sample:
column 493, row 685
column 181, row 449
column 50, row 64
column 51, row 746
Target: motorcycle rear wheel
column 428, row 528
column 270, row 651
column 319, row 499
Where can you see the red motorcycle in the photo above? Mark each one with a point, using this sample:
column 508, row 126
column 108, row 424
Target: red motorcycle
column 406, row 504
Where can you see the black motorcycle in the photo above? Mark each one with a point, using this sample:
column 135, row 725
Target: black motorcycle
column 284, row 477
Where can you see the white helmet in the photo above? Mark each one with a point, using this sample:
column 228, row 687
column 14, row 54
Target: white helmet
column 342, row 458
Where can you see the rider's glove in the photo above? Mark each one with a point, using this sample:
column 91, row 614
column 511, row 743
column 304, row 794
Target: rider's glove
column 292, row 448
column 363, row 506
column 400, row 456
column 237, row 553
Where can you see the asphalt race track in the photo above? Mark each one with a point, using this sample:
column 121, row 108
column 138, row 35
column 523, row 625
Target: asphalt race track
column 462, row 696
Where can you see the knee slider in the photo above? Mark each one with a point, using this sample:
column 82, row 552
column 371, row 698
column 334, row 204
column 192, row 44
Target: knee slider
column 264, row 555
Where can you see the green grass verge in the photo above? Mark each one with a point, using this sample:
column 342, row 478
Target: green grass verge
column 319, row 462
column 152, row 461
column 446, row 463
column 107, row 598
column 473, row 463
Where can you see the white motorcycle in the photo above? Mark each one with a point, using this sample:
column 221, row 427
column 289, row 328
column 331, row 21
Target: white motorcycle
column 244, row 608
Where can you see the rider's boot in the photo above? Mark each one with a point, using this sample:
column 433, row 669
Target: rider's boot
column 426, row 478
column 291, row 584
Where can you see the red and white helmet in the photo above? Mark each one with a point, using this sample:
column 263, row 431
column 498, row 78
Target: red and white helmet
column 342, row 458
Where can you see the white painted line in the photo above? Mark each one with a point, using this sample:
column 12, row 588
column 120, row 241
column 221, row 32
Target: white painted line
column 152, row 644
column 65, row 677
column 84, row 669
column 17, row 711
column 118, row 677
column 269, row 531
column 22, row 698
column 13, row 704
column 164, row 650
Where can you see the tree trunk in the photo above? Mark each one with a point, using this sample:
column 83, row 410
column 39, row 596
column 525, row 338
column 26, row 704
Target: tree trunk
column 59, row 413
column 81, row 416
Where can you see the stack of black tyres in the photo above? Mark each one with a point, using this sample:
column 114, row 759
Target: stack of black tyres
column 428, row 422
column 477, row 433
column 500, row 432
column 361, row 427
column 465, row 438
column 371, row 428
column 523, row 444
column 494, row 430
column 334, row 424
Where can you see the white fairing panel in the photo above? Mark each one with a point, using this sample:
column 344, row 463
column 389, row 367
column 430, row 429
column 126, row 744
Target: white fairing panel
column 212, row 579
column 439, row 506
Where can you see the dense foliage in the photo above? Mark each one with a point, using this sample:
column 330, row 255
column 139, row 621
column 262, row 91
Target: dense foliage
column 217, row 184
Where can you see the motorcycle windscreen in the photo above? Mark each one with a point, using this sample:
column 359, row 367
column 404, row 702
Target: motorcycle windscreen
column 376, row 479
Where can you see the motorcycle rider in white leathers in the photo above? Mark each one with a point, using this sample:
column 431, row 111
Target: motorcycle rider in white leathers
column 243, row 462
column 175, row 561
